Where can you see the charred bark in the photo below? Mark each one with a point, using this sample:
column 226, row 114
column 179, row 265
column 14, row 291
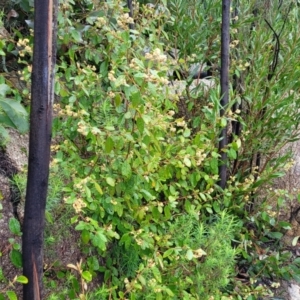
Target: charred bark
column 39, row 145
column 225, row 40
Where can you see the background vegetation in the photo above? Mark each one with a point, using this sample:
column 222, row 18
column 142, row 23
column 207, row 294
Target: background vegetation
column 138, row 162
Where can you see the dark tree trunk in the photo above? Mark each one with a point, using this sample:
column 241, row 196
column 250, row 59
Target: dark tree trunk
column 39, row 145
column 225, row 39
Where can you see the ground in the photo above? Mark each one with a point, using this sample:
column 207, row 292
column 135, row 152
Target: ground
column 61, row 245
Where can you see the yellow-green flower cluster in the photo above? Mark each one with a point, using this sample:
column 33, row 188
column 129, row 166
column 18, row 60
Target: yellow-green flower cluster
column 124, row 20
column 78, row 205
column 100, row 22
column 68, row 111
column 79, row 185
column 24, row 47
column 83, row 128
column 289, row 164
column 234, row 43
column 136, row 64
column 111, row 76
column 154, row 78
column 156, row 56
column 200, row 156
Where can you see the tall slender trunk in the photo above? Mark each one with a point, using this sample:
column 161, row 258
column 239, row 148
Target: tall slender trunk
column 44, row 54
column 225, row 40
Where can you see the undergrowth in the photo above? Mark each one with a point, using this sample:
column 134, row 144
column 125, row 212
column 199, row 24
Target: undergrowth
column 138, row 179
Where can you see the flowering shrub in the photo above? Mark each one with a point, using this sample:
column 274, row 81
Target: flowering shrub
column 138, row 173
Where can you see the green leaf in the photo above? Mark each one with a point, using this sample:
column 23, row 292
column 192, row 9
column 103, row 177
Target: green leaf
column 99, row 240
column 187, row 132
column 296, row 261
column 16, row 113
column 285, row 225
column 93, row 263
column 110, row 181
column 187, row 162
column 214, row 165
column 4, row 136
column 11, row 295
column 189, row 254
column 16, row 258
column 142, row 280
column 232, row 154
column 109, row 145
column 169, row 292
column 295, row 240
column 98, row 188
column 118, row 100
column 156, row 274
column 76, row 35
column 148, row 196
column 87, row 276
column 4, row 89
column 128, row 115
column 216, row 206
column 60, row 275
column 136, row 99
column 168, row 252
column 188, row 206
column 275, row 235
column 126, row 169
column 140, row 125
column 85, row 236
column 14, row 226
column 22, row 279
column 49, row 217
column 209, row 210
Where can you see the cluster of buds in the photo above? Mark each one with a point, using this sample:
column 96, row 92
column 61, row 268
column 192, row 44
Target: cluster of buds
column 157, row 56
column 24, row 47
column 124, row 20
column 100, row 22
column 67, row 111
column 156, row 79
column 150, row 263
column 234, row 43
column 81, row 183
column 200, row 156
column 111, row 75
column 152, row 282
column 181, row 123
column 136, row 64
column 210, row 190
column 55, row 148
column 88, row 69
column 233, row 115
column 111, row 94
column 78, row 205
column 82, row 128
column 247, row 183
column 171, row 113
column 289, row 164
column 54, row 162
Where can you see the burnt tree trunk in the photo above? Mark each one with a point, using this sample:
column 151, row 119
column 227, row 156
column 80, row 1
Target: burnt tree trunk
column 225, row 40
column 39, row 145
